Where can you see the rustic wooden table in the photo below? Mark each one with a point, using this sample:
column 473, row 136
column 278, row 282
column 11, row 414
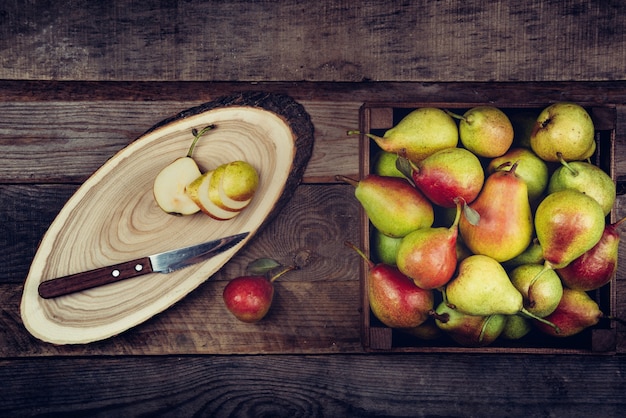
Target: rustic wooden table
column 78, row 85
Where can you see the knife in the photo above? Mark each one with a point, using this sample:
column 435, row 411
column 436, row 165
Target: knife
column 165, row 262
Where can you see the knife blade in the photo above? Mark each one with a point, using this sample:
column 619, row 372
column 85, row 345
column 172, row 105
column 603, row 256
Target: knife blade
column 165, row 262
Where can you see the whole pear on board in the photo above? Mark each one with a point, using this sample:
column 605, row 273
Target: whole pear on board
column 385, row 165
column 567, row 223
column 249, row 298
column 449, row 174
column 596, row 267
column 170, row 184
column 505, row 228
column 485, row 131
column 419, row 134
column 541, row 293
column 385, row 248
column 530, row 168
column 575, row 312
column 564, row 128
column 516, row 327
column 482, row 287
column 586, row 178
column 429, row 255
column 392, row 205
column 468, row 330
column 394, row 299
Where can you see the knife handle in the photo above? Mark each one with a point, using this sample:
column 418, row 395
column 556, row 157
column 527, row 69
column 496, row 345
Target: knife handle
column 93, row 278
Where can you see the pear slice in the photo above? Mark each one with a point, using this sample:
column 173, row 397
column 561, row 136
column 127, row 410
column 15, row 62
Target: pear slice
column 170, row 185
column 233, row 185
column 198, row 192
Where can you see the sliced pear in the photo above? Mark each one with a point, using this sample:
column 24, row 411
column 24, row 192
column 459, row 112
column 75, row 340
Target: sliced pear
column 198, row 192
column 169, row 188
column 170, row 185
column 239, row 181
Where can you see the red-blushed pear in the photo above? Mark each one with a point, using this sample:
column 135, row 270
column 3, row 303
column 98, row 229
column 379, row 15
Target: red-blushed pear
column 447, row 175
column 392, row 204
column 564, row 128
column 530, row 168
column 576, row 311
column 393, row 297
column 505, row 228
column 249, row 298
column 170, row 184
column 485, row 131
column 419, row 134
column 568, row 223
column 596, row 267
column 429, row 255
column 468, row 330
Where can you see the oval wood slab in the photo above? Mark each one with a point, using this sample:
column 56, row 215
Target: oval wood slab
column 113, row 217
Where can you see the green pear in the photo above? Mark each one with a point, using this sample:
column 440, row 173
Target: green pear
column 516, row 327
column 576, row 311
column 385, row 248
column 567, row 223
column 468, row 330
column 541, row 292
column 392, row 205
column 530, row 168
column 505, row 228
column 486, row 131
column 385, row 165
column 482, row 287
column 531, row 255
column 564, row 128
column 420, row 134
column 586, row 178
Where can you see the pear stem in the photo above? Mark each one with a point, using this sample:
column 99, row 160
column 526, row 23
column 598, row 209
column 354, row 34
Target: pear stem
column 565, row 164
column 524, row 312
column 283, row 271
column 445, row 317
column 455, row 115
column 353, row 132
column 370, row 263
column 197, row 136
column 348, row 180
column 483, row 329
column 616, row 224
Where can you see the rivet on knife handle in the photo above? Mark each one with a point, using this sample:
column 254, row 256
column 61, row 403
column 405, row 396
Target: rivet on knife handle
column 93, row 278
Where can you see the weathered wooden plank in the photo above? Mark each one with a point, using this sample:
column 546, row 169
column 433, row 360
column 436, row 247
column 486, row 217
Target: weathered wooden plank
column 327, row 386
column 481, row 40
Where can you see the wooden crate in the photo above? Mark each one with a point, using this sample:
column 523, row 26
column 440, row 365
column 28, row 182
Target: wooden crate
column 376, row 118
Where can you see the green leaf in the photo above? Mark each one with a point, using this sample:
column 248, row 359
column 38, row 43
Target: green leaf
column 471, row 215
column 262, row 266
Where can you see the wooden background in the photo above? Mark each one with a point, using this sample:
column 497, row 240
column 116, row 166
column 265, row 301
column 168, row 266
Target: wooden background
column 79, row 80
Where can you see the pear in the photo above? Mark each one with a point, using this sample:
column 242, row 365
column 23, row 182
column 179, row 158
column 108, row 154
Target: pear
column 568, row 223
column 385, row 165
column 249, row 298
column 468, row 330
column 198, row 192
column 233, row 185
column 541, row 293
column 169, row 188
column 393, row 297
column 586, row 178
column 385, row 248
column 596, row 267
column 531, row 255
column 505, row 228
column 482, row 287
column 530, row 168
column 429, row 255
column 419, row 134
column 392, row 205
column 516, row 327
column 485, row 131
column 449, row 174
column 576, row 311
column 564, row 128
